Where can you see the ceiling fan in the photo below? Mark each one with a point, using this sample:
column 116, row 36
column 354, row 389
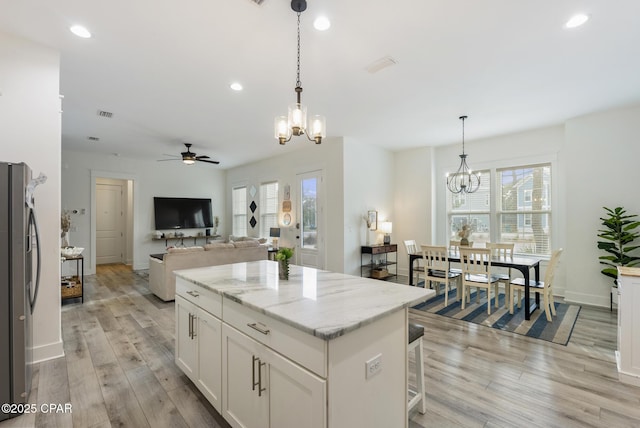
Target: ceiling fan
column 190, row 157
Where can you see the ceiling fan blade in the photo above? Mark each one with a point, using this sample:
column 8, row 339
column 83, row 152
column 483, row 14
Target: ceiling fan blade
column 171, row 156
column 202, row 157
column 164, row 160
column 208, row 161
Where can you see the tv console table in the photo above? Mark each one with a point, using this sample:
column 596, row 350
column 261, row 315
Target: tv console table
column 166, row 239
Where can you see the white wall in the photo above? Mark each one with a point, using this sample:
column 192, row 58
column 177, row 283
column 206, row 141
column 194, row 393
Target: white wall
column 602, row 154
column 30, row 133
column 414, row 196
column 150, row 178
column 368, row 185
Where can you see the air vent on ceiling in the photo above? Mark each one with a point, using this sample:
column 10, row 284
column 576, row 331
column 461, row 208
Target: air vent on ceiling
column 106, row 114
column 258, row 2
column 93, row 138
column 378, row 65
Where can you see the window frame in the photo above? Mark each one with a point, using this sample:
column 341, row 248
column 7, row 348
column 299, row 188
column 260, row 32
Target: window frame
column 266, row 225
column 236, row 216
column 549, row 195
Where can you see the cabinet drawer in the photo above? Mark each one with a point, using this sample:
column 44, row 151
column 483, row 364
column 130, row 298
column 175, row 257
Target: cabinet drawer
column 200, row 296
column 307, row 350
column 382, row 249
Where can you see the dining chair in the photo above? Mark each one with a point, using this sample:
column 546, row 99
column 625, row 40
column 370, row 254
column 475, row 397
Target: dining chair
column 476, row 272
column 502, row 250
column 541, row 287
column 412, row 248
column 437, row 270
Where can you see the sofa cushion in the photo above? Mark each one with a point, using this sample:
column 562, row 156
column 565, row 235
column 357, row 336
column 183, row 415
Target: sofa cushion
column 184, row 249
column 215, row 245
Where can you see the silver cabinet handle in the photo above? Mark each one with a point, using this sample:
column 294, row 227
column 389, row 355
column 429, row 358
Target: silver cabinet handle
column 253, row 372
column 190, row 336
column 260, row 388
column 193, row 293
column 259, row 327
column 193, row 328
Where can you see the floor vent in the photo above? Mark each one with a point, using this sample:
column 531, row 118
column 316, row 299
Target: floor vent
column 106, row 114
column 93, row 138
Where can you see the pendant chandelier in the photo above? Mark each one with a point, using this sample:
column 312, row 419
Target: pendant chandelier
column 464, row 180
column 296, row 122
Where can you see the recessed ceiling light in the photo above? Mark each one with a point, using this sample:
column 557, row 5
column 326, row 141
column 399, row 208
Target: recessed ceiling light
column 236, row 86
column 80, row 31
column 577, row 20
column 322, row 23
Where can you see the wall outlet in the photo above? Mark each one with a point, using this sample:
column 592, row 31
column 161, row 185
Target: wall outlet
column 373, row 366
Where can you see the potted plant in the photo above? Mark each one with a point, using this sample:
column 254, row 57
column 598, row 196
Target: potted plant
column 282, row 256
column 619, row 232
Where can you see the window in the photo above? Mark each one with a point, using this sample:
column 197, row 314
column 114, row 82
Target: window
column 472, row 209
column 519, row 213
column 524, row 214
column 268, row 208
column 239, row 207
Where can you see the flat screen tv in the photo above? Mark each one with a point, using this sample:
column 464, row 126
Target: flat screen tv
column 182, row 213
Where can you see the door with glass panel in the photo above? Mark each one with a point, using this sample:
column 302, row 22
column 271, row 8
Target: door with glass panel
column 310, row 222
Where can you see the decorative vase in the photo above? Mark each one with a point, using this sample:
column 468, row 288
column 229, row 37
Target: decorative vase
column 464, row 242
column 283, row 269
column 64, row 240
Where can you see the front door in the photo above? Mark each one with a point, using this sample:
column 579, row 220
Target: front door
column 310, row 233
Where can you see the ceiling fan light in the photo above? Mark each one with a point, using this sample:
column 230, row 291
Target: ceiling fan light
column 188, row 161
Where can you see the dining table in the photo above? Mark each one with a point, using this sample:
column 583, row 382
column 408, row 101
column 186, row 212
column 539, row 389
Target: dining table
column 524, row 264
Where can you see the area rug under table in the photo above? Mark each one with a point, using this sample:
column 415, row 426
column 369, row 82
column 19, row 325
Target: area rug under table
column 558, row 331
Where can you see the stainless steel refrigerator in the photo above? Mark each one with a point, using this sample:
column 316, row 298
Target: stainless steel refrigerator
column 19, row 281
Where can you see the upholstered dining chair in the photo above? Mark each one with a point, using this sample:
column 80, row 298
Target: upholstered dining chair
column 502, row 250
column 437, row 270
column 412, row 248
column 476, row 272
column 542, row 287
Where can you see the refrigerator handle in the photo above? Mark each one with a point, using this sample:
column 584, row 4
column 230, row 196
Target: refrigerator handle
column 32, row 221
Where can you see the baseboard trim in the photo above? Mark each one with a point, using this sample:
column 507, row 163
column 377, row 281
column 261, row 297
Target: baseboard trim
column 587, row 299
column 48, row 352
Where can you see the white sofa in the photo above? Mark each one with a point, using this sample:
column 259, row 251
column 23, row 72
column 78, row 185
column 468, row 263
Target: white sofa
column 162, row 280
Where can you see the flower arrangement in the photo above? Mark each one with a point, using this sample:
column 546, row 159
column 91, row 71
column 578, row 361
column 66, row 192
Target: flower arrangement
column 65, row 225
column 464, row 232
column 65, row 221
column 367, row 220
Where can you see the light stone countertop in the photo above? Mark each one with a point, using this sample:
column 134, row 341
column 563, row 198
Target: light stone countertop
column 322, row 303
column 628, row 271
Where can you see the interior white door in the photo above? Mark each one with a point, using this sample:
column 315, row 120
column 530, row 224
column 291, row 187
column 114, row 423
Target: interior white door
column 109, row 223
column 310, row 225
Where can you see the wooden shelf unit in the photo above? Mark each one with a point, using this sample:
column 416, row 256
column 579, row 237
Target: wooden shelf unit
column 71, row 287
column 378, row 261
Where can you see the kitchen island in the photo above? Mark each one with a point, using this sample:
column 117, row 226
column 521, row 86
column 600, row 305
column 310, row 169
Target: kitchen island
column 321, row 349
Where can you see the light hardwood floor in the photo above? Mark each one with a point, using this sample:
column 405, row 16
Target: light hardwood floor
column 118, row 370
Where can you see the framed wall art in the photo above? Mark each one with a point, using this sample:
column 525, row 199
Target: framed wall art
column 373, row 220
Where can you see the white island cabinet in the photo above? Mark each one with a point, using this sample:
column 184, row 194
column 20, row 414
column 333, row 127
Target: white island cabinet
column 628, row 354
column 321, row 349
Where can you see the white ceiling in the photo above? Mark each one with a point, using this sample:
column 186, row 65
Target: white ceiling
column 164, row 68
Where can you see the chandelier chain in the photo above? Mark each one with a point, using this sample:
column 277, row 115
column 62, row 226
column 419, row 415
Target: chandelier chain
column 298, row 83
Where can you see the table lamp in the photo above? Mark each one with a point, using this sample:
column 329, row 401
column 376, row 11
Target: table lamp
column 274, row 233
column 386, row 227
